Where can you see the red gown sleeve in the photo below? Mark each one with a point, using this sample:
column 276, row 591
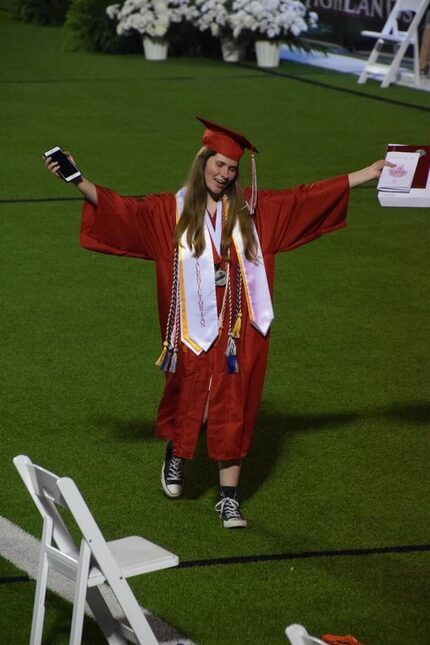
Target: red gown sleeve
column 141, row 228
column 286, row 219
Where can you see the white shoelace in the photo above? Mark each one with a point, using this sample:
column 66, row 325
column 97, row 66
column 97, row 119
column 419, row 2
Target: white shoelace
column 229, row 507
column 175, row 470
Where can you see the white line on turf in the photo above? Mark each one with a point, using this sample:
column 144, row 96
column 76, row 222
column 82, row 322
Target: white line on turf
column 22, row 549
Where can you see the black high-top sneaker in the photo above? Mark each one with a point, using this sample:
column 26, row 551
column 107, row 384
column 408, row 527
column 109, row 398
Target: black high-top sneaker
column 229, row 512
column 172, row 473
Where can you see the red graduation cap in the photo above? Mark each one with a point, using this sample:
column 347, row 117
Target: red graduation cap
column 231, row 144
column 226, row 142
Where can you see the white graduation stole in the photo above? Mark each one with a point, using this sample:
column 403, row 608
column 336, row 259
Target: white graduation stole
column 255, row 283
column 197, row 291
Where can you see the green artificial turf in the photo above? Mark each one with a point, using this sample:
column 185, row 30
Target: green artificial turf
column 339, row 458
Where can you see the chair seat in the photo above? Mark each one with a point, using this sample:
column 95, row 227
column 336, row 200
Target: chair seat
column 392, row 38
column 135, row 555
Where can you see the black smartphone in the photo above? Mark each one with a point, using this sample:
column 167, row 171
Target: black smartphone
column 67, row 171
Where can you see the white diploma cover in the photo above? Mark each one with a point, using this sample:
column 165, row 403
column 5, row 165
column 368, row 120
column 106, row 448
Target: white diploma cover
column 408, row 182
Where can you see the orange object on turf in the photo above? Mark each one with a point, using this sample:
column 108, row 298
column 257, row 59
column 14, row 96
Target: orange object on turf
column 331, row 639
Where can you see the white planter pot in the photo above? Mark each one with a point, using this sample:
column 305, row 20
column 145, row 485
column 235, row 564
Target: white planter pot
column 155, row 48
column 267, row 53
column 231, row 51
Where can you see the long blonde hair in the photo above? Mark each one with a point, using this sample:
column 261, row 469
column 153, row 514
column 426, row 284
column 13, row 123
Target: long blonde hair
column 193, row 213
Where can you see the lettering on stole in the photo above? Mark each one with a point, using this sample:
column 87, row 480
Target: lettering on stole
column 200, row 302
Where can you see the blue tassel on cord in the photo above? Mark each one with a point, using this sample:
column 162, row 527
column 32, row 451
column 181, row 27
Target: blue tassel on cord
column 172, row 366
column 232, row 366
column 164, row 367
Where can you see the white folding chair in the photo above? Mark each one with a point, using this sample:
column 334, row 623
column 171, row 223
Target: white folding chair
column 400, row 40
column 90, row 565
column 298, row 635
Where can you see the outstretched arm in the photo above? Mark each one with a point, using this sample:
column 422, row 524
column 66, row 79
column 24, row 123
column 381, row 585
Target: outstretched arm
column 86, row 187
column 117, row 225
column 367, row 174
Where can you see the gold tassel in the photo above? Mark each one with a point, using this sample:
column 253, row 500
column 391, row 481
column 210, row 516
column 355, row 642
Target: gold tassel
column 237, row 325
column 162, row 356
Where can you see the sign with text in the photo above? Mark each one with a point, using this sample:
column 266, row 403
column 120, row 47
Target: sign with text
column 342, row 21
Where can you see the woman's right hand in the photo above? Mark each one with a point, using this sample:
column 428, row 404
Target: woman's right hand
column 54, row 166
column 86, row 187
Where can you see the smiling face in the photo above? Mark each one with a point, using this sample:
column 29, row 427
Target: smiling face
column 220, row 172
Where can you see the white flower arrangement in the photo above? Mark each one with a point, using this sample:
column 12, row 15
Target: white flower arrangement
column 148, row 17
column 212, row 15
column 270, row 19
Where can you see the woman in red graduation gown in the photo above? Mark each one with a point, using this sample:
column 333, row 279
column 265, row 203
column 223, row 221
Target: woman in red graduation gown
column 214, row 245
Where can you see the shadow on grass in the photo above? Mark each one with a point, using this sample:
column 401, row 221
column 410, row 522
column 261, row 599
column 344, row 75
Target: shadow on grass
column 127, row 429
column 202, row 473
column 272, row 431
column 413, row 413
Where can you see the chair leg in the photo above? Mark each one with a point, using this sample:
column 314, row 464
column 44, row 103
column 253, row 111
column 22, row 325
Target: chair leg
column 39, row 602
column 393, row 70
column 80, row 594
column 371, row 60
column 416, row 62
column 101, row 612
column 39, row 598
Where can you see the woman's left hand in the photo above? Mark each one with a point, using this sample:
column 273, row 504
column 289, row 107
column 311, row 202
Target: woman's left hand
column 367, row 174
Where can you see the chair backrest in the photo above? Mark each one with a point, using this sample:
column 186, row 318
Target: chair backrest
column 400, row 7
column 43, row 488
column 49, row 491
column 410, row 5
column 298, row 635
